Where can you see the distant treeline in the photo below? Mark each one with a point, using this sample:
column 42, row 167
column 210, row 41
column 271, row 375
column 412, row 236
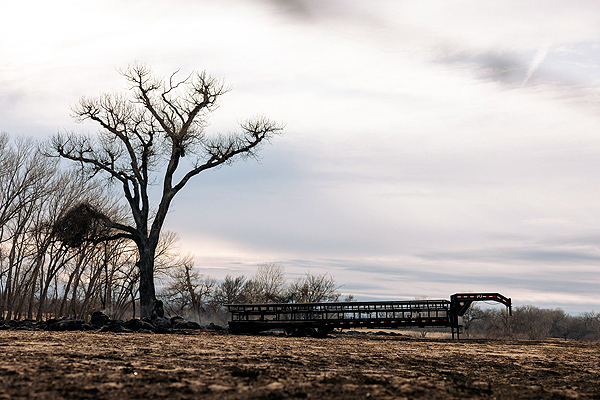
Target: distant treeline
column 529, row 322
column 198, row 297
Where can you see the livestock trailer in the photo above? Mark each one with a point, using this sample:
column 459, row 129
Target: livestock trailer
column 318, row 319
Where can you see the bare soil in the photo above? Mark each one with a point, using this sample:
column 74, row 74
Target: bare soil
column 210, row 365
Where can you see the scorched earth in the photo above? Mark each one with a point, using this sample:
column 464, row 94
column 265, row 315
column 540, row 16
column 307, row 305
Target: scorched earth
column 213, row 364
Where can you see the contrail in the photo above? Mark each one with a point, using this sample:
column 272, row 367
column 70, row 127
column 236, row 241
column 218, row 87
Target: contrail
column 537, row 60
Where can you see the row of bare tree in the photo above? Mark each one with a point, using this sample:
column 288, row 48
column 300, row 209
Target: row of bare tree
column 529, row 322
column 199, row 297
column 40, row 274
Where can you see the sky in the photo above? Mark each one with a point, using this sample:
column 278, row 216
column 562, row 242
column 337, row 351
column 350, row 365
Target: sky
column 430, row 147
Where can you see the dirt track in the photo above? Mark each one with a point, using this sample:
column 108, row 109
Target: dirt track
column 208, row 365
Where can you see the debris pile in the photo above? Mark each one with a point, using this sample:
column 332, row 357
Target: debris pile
column 103, row 323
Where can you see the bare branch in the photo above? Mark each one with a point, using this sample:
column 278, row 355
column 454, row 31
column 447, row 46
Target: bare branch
column 223, row 149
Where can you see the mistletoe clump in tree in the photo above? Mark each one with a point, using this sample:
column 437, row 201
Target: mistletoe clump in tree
column 145, row 134
column 81, row 223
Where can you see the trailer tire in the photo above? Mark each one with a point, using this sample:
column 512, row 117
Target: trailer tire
column 289, row 330
column 310, row 331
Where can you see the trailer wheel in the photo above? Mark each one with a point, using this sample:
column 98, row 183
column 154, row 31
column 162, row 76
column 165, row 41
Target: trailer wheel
column 310, row 331
column 289, row 330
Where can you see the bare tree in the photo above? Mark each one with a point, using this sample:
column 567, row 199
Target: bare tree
column 473, row 314
column 230, row 291
column 27, row 181
column 188, row 291
column 558, row 323
column 144, row 138
column 313, row 289
column 267, row 285
column 591, row 323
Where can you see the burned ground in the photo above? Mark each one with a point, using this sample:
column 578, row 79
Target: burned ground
column 211, row 364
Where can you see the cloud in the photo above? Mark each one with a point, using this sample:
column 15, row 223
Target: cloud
column 568, row 72
column 298, row 9
column 540, row 255
column 504, row 67
column 535, row 64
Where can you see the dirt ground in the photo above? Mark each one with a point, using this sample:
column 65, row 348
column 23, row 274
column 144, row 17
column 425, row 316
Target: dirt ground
column 219, row 365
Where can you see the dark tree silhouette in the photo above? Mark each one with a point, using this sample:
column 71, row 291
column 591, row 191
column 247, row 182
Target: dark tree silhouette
column 144, row 136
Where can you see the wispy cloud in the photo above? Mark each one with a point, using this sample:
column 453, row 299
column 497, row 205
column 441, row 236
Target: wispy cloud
column 298, row 9
column 535, row 63
column 501, row 66
column 542, row 253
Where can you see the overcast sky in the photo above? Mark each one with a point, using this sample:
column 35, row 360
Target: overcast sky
column 430, row 147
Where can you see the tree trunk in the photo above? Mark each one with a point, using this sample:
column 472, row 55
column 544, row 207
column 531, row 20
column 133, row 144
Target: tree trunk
column 146, row 268
column 73, row 276
column 39, row 263
column 91, row 290
column 6, row 304
column 132, row 300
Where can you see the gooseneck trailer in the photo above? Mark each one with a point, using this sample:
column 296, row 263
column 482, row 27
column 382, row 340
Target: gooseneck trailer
column 318, row 319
